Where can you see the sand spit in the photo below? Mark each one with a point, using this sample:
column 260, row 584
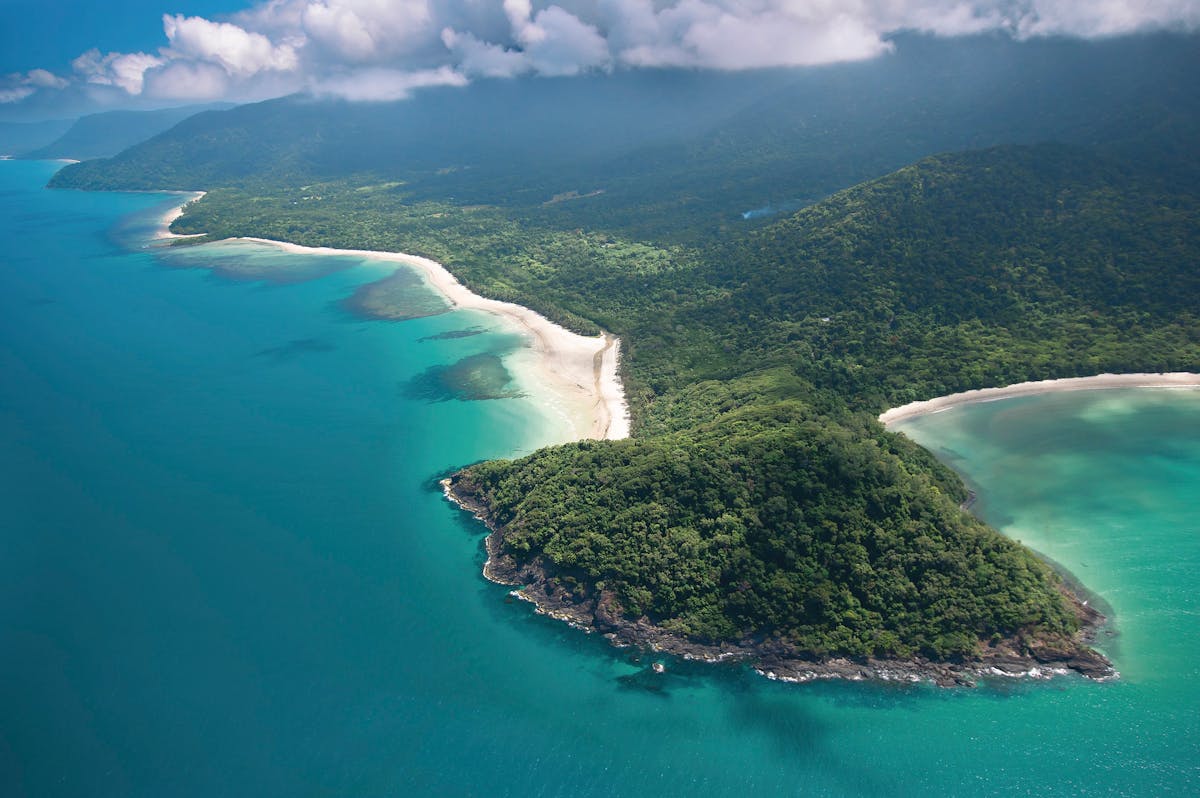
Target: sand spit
column 1173, row 379
column 576, row 374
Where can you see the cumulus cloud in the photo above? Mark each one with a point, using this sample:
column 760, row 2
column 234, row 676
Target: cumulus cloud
column 477, row 57
column 379, row 49
column 1105, row 17
column 16, row 86
column 550, row 41
column 14, row 94
column 364, row 30
column 124, row 70
column 188, row 80
column 237, row 51
column 555, row 41
column 722, row 35
column 44, row 79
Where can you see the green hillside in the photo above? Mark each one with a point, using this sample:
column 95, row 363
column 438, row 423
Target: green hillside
column 760, row 504
column 756, row 366
column 763, row 503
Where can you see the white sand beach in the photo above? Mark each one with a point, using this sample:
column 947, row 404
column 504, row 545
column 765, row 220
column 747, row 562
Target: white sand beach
column 1174, row 379
column 575, row 373
column 164, row 229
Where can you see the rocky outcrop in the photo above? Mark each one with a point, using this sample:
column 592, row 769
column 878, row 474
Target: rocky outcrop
column 569, row 599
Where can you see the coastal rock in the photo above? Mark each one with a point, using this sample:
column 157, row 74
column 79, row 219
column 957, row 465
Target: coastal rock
column 1013, row 657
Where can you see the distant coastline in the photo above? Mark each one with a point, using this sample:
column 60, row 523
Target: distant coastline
column 576, row 374
column 1170, row 379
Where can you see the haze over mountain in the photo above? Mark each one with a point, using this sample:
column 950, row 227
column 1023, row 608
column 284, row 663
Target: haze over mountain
column 106, row 134
column 19, row 137
column 662, row 149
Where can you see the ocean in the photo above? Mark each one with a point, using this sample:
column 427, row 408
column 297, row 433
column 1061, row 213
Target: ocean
column 226, row 567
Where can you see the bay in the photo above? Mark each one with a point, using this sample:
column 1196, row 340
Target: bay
column 226, row 569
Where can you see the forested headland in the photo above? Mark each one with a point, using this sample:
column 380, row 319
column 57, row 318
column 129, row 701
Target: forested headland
column 760, row 508
column 761, row 505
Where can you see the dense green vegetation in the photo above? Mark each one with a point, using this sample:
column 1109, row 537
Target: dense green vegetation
column 964, row 270
column 765, row 503
column 759, row 498
column 971, row 269
column 770, row 520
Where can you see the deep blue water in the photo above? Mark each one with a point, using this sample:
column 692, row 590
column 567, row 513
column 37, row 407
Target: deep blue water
column 225, row 568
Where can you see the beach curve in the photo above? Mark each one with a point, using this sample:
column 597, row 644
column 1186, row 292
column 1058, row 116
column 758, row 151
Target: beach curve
column 164, row 229
column 1168, row 379
column 579, row 372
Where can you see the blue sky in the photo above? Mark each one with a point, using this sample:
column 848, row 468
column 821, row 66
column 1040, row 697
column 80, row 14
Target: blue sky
column 61, row 57
column 50, row 33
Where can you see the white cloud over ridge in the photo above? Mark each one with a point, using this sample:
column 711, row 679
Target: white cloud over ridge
column 383, row 49
column 379, row 84
column 17, row 86
column 239, row 52
column 126, row 71
column 15, row 94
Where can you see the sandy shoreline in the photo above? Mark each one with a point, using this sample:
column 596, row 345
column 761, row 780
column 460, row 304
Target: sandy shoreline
column 1173, row 379
column 574, row 374
column 164, row 227
column 578, row 373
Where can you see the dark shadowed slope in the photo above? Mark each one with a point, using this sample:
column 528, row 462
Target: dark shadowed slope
column 657, row 153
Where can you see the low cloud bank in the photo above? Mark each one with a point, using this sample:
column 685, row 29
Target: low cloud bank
column 383, row 49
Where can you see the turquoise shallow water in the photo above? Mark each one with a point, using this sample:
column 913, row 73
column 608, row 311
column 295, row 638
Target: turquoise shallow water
column 225, row 570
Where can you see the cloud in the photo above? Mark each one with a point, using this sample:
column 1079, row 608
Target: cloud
column 16, row 86
column 124, row 70
column 340, row 29
column 375, row 49
column 44, row 79
column 721, row 35
column 551, row 42
column 15, row 94
column 476, row 57
column 1106, row 17
column 188, row 80
column 385, row 85
column 237, row 51
column 557, row 42
column 363, row 30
